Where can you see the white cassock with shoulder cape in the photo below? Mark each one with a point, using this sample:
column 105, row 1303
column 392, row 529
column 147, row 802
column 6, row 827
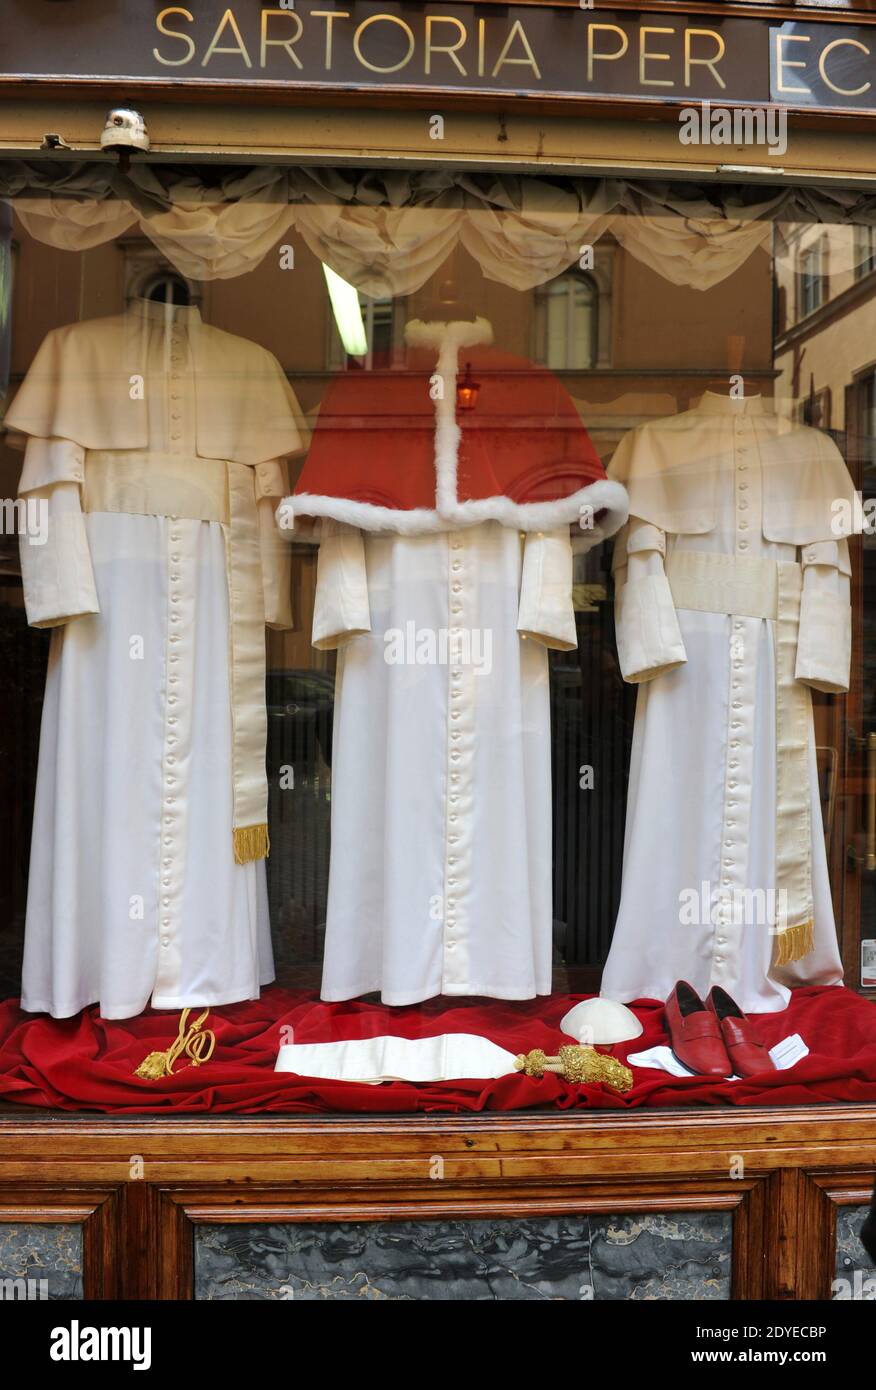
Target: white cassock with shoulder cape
column 732, row 601
column 445, row 576
column 158, row 446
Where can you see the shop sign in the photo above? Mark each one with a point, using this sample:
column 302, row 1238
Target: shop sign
column 580, row 51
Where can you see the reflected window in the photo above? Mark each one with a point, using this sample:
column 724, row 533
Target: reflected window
column 866, row 387
column 383, row 321
column 816, row 409
column 148, row 274
column 811, row 293
column 166, row 288
column 781, row 309
column 567, row 322
column 865, row 251
column 5, row 293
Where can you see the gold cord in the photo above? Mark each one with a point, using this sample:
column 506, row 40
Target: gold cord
column 197, row 1045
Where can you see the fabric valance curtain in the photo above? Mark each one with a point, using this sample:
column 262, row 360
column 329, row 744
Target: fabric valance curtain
column 387, row 232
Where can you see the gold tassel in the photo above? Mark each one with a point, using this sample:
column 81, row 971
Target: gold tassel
column 251, row 842
column 579, row 1065
column 794, row 943
column 197, row 1045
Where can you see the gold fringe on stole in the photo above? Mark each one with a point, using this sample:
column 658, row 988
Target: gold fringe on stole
column 197, row 1045
column 251, row 842
column 794, row 943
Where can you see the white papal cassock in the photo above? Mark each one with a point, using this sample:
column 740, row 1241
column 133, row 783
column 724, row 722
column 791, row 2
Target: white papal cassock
column 441, row 776
column 160, row 570
column 732, row 600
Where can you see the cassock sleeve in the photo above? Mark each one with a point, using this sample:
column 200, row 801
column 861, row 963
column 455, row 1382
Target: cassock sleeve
column 824, row 640
column 546, row 612
column 649, row 641
column 56, row 567
column 341, row 610
column 272, row 481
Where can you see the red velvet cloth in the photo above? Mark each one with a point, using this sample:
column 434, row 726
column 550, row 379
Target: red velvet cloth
column 88, row 1063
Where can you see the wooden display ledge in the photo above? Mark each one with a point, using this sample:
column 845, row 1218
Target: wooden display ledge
column 139, row 1185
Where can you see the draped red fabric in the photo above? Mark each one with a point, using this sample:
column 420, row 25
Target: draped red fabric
column 375, row 436
column 88, row 1063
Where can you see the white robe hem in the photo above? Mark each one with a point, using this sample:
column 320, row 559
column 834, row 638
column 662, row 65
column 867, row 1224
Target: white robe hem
column 235, row 995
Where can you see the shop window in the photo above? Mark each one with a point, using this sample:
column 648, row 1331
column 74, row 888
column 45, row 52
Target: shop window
column 504, row 610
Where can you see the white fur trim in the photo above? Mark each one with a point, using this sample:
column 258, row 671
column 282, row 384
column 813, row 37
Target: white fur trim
column 460, row 333
column 606, row 495
column 448, row 338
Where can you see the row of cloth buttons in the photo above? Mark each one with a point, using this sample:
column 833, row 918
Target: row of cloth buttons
column 455, row 709
column 171, row 814
column 172, row 740
column 742, row 430
column 742, row 450
column 177, row 350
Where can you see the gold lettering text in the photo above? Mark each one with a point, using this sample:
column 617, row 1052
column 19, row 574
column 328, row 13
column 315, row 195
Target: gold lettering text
column 822, row 68
column 645, row 57
column 517, row 31
column 287, row 43
column 710, row 63
column 227, row 21
column 389, row 19
column 450, row 48
column 174, row 34
column 782, row 62
column 329, row 16
column 593, row 56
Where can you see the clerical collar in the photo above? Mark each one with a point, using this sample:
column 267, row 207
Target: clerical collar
column 716, row 403
column 184, row 315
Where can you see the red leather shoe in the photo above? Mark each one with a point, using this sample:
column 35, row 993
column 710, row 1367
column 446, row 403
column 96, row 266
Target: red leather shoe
column 695, row 1033
column 745, row 1052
